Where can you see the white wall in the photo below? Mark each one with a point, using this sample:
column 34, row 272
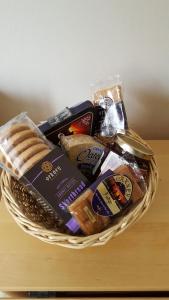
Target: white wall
column 51, row 50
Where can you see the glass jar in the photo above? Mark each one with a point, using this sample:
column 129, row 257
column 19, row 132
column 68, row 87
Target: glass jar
column 133, row 151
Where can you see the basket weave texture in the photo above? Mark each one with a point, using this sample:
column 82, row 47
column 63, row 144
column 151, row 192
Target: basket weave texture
column 76, row 242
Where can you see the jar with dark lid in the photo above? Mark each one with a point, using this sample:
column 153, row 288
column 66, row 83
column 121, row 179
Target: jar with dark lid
column 133, row 151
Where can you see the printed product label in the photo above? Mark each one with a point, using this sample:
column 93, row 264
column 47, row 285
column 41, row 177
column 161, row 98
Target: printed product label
column 90, row 214
column 88, row 158
column 81, row 125
column 112, row 195
column 107, row 198
column 57, row 181
column 125, row 185
column 90, row 155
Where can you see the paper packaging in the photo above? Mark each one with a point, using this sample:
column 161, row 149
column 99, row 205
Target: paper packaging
column 58, row 183
column 73, row 120
column 107, row 197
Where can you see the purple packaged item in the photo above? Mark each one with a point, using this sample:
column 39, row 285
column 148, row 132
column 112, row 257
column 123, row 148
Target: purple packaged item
column 57, row 183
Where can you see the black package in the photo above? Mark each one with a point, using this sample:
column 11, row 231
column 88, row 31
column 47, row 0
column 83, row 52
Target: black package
column 74, row 120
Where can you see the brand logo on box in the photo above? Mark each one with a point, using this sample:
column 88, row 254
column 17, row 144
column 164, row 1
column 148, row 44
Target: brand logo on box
column 47, row 166
column 52, row 172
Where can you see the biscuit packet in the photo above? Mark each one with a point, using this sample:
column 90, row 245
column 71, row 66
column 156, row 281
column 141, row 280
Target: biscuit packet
column 22, row 144
column 111, row 115
column 44, row 169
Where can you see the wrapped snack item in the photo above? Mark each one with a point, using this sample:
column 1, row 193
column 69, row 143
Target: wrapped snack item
column 89, row 222
column 84, row 151
column 110, row 111
column 22, row 145
column 44, row 169
column 120, row 166
column 57, row 183
column 102, row 201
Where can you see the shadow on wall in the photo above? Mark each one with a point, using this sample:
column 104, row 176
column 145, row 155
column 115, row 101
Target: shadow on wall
column 151, row 117
column 37, row 109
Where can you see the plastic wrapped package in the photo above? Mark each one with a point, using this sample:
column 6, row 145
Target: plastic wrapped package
column 44, row 169
column 22, row 145
column 110, row 110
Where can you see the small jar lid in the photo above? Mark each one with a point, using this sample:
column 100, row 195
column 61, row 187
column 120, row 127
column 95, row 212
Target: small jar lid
column 130, row 145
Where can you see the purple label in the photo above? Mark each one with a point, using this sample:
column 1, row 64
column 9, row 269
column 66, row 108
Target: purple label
column 99, row 205
column 112, row 193
column 99, row 179
column 73, row 225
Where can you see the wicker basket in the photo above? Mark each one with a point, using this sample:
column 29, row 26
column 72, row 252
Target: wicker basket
column 76, row 242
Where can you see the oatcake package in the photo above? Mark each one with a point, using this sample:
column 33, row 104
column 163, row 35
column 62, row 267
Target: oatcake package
column 74, row 120
column 84, row 151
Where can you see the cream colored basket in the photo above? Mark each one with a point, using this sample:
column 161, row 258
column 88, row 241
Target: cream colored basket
column 75, row 242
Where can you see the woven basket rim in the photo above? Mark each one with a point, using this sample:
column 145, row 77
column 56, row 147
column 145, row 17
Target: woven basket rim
column 79, row 242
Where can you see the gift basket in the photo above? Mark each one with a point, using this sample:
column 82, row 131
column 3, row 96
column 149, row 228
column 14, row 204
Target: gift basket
column 81, row 177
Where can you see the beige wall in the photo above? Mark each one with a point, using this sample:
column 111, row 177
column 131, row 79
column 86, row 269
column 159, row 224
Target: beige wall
column 51, row 50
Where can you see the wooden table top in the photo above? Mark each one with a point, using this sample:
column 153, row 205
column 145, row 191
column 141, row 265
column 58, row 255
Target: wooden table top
column 137, row 260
